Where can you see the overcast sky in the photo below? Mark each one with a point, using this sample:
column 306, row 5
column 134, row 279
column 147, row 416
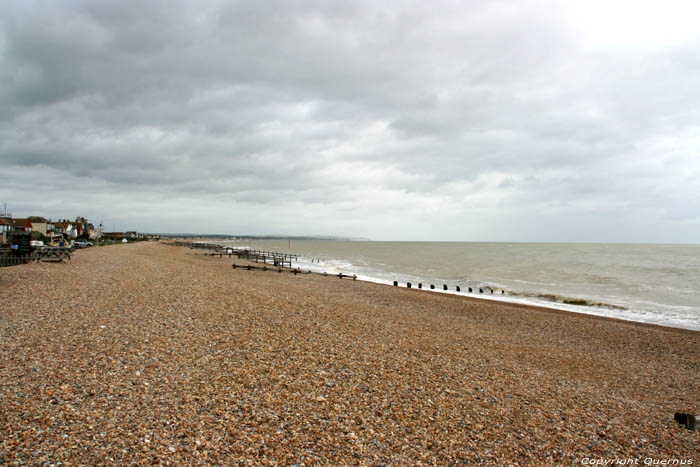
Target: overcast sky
column 464, row 120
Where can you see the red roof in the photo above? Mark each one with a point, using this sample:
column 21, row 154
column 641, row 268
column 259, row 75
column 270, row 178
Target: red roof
column 22, row 223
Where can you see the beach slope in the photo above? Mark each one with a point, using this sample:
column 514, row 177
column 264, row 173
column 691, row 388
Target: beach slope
column 148, row 353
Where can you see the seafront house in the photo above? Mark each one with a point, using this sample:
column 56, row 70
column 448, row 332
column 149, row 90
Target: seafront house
column 83, row 225
column 55, row 231
column 67, row 228
column 41, row 225
column 22, row 225
column 5, row 228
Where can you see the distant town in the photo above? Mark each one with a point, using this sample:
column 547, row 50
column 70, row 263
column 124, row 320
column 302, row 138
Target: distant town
column 38, row 231
column 61, row 232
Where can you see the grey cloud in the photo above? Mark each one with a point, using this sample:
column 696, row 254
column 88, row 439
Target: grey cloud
column 349, row 111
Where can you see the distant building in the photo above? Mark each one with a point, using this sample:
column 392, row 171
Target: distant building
column 41, row 225
column 83, row 225
column 113, row 235
column 5, row 228
column 22, row 225
column 91, row 231
column 67, row 228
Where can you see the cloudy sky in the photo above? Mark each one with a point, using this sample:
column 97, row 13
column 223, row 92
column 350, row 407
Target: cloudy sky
column 526, row 120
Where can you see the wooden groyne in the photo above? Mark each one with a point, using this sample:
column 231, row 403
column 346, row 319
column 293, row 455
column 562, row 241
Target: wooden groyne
column 295, row 271
column 258, row 256
column 445, row 287
column 275, row 258
column 195, row 245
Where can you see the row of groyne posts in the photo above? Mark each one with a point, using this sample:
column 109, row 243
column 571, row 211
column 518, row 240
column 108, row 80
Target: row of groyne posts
column 457, row 288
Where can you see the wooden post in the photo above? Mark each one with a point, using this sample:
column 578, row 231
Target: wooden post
column 686, row 419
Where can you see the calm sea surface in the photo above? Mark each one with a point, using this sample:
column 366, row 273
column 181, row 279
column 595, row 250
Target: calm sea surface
column 649, row 283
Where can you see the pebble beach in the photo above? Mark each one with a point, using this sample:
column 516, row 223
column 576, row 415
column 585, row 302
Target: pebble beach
column 147, row 353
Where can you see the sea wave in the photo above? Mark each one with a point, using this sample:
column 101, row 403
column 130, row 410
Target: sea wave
column 549, row 297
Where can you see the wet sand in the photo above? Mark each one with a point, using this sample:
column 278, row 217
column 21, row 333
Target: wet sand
column 147, row 353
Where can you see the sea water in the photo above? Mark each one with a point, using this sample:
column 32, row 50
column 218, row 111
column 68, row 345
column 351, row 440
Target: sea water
column 648, row 283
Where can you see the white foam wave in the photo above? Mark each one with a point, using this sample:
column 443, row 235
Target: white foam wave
column 633, row 312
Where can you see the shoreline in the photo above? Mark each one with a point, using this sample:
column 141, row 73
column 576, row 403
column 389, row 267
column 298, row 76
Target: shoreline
column 145, row 353
column 491, row 298
column 566, row 312
column 527, row 306
column 625, row 307
column 486, row 298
